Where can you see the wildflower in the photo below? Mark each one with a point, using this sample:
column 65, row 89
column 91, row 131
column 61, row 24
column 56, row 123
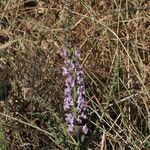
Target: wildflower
column 65, row 71
column 70, row 120
column 74, row 77
column 63, row 53
column 77, row 53
column 85, row 129
column 80, row 91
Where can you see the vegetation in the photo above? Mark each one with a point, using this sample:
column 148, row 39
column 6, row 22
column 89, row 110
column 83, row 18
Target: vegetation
column 113, row 37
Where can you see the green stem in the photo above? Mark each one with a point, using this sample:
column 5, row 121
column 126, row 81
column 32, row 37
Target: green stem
column 66, row 24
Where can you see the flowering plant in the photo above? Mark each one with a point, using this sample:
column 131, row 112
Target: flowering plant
column 74, row 102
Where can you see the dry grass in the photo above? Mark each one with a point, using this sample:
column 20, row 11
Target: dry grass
column 114, row 40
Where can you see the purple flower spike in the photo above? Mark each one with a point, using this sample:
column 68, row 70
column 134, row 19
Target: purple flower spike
column 73, row 74
column 70, row 122
column 81, row 105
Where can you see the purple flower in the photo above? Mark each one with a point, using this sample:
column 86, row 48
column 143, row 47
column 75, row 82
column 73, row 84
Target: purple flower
column 67, row 62
column 69, row 81
column 70, row 121
column 79, row 119
column 85, row 129
column 74, row 77
column 68, row 103
column 64, row 71
column 81, row 105
column 80, row 93
column 67, row 91
column 71, row 65
column 83, row 116
column 70, row 128
column 68, row 99
column 63, row 53
column 77, row 53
